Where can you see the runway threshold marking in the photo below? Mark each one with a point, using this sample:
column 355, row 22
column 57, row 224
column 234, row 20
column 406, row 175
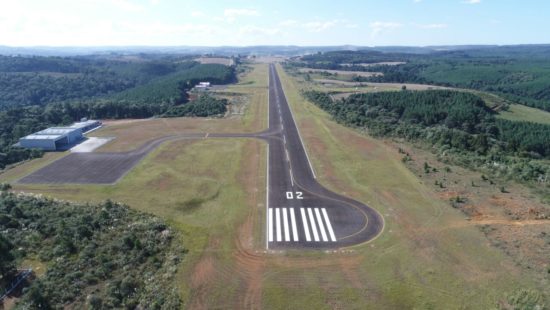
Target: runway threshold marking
column 329, row 226
column 294, row 228
column 312, row 222
column 304, row 221
column 285, row 225
column 270, row 225
column 278, row 222
column 321, row 225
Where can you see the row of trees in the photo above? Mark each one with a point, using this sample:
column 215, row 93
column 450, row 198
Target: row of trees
column 98, row 256
column 516, row 76
column 43, row 80
column 458, row 119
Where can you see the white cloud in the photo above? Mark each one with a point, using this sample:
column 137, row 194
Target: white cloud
column 378, row 27
column 316, row 25
column 417, row 1
column 232, row 14
column 471, row 1
column 433, row 26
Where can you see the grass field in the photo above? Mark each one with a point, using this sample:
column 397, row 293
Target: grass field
column 215, row 60
column 213, row 191
column 516, row 112
column 340, row 72
column 422, row 260
column 524, row 113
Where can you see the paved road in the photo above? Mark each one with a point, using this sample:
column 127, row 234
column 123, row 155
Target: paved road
column 301, row 213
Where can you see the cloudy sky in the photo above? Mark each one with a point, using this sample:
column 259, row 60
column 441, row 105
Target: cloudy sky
column 276, row 22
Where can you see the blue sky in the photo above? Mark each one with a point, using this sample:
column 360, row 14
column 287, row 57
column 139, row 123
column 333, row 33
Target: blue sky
column 277, row 22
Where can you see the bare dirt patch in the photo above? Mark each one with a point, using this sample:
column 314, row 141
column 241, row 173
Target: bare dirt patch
column 215, row 60
column 246, row 266
column 341, row 72
column 514, row 221
column 384, row 63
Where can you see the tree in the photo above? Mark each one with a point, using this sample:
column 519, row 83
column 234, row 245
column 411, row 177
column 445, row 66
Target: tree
column 7, row 267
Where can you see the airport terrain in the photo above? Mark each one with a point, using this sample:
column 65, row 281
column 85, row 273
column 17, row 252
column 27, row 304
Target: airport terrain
column 213, row 190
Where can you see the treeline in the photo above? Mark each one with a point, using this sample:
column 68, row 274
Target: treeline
column 348, row 60
column 97, row 256
column 522, row 76
column 449, row 120
column 34, row 88
column 204, row 106
column 172, row 89
column 42, row 80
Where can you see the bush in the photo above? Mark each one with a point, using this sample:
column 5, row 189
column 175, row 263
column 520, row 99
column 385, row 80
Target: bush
column 85, row 247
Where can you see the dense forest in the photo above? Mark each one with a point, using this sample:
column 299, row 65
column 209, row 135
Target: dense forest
column 204, row 105
column 38, row 92
column 451, row 121
column 98, row 256
column 521, row 74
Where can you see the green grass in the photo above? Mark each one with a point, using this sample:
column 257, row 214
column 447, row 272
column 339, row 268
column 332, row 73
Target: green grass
column 419, row 261
column 516, row 112
column 199, row 188
column 524, row 113
column 254, row 84
column 194, row 186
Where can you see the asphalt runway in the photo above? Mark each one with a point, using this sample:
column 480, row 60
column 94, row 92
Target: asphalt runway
column 300, row 212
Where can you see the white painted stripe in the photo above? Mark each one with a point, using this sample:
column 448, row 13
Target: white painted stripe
column 284, row 139
column 287, row 157
column 321, row 225
column 304, row 222
column 285, row 225
column 291, row 177
column 270, row 225
column 293, row 221
column 329, row 226
column 278, row 222
column 313, row 228
column 267, row 167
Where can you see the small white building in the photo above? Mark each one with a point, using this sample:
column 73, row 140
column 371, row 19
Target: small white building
column 203, row 85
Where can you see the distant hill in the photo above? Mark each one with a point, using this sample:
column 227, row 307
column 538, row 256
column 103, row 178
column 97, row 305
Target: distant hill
column 260, row 50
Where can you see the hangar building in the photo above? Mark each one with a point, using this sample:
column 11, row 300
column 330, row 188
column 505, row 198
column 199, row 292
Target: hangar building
column 58, row 138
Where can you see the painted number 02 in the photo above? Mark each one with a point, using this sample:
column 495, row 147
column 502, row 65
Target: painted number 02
column 292, row 195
